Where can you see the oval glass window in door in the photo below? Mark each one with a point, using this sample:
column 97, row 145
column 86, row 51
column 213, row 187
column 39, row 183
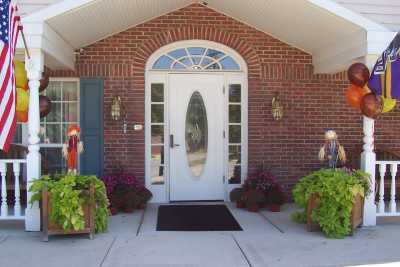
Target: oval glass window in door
column 196, row 134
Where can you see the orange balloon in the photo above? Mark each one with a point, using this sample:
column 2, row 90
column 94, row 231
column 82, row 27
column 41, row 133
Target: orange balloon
column 354, row 94
column 22, row 116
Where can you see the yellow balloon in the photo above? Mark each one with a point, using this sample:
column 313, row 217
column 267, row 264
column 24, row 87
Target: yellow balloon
column 21, row 77
column 22, row 100
column 388, row 104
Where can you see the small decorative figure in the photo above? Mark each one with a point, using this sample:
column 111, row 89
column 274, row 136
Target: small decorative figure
column 332, row 150
column 73, row 148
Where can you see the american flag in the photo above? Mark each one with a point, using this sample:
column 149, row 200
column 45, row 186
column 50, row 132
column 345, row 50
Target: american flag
column 9, row 28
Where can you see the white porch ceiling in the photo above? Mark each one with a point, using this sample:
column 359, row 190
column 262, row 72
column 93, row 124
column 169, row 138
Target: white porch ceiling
column 334, row 35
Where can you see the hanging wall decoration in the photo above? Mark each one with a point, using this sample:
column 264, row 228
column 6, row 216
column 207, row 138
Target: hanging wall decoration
column 354, row 94
column 21, row 76
column 371, row 105
column 44, row 82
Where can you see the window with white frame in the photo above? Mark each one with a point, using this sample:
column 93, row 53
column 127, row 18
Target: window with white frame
column 64, row 96
column 196, row 58
column 235, row 133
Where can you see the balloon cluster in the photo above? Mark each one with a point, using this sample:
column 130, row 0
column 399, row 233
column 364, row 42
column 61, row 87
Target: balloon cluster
column 22, row 102
column 359, row 96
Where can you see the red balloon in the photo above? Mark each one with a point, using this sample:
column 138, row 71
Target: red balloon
column 45, row 105
column 44, row 82
column 354, row 94
column 358, row 74
column 371, row 105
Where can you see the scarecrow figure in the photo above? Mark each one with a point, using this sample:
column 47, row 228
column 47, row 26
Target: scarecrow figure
column 332, row 151
column 73, row 148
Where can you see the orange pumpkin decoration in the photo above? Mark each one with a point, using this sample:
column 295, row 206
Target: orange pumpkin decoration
column 371, row 105
column 354, row 95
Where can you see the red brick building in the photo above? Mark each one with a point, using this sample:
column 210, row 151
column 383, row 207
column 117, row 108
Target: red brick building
column 233, row 59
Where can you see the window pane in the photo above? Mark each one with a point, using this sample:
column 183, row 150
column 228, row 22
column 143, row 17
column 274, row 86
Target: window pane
column 214, row 66
column 163, row 63
column 17, row 139
column 157, row 168
column 178, row 66
column 52, row 161
column 206, row 61
column 178, row 53
column 55, row 113
column 196, row 134
column 234, row 134
column 229, row 64
column 157, row 113
column 53, row 91
column 53, row 133
column 196, row 50
column 214, row 53
column 70, row 92
column 157, row 134
column 235, row 154
column 196, row 60
column 70, row 111
column 234, row 113
column 186, row 61
column 235, row 93
column 235, row 174
column 157, row 92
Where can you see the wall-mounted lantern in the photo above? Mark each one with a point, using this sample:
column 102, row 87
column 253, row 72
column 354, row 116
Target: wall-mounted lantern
column 277, row 107
column 118, row 110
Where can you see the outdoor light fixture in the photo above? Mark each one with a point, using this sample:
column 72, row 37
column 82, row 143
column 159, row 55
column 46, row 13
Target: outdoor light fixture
column 117, row 110
column 277, row 107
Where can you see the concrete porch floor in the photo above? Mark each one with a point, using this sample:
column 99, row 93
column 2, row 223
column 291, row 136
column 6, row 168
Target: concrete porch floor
column 268, row 239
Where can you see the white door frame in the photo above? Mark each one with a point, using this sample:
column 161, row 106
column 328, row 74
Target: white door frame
column 161, row 191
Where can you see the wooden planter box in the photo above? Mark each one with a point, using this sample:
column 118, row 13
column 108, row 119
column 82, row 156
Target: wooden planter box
column 356, row 213
column 50, row 228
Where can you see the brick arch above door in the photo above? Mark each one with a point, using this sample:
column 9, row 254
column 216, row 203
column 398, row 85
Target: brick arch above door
column 233, row 41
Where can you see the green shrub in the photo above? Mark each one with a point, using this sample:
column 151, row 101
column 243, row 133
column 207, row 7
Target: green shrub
column 336, row 188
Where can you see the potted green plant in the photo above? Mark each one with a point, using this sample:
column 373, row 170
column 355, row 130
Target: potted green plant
column 71, row 204
column 253, row 198
column 332, row 199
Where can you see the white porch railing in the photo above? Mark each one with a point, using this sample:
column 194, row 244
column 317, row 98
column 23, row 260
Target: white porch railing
column 387, row 171
column 7, row 210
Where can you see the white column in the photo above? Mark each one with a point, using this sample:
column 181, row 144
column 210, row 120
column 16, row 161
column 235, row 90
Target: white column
column 4, row 204
column 17, row 205
column 34, row 67
column 368, row 160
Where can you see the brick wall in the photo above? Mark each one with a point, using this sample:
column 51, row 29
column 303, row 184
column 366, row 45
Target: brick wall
column 290, row 147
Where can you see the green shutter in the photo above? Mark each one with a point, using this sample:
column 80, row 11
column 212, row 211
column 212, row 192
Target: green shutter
column 91, row 115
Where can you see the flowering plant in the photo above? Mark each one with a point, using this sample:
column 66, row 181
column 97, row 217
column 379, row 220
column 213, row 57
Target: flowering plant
column 262, row 181
column 126, row 192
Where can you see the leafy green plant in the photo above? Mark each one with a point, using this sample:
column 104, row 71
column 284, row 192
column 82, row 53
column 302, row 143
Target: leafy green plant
column 68, row 194
column 336, row 189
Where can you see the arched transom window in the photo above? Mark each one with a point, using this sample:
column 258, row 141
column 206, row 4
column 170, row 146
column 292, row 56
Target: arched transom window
column 196, row 58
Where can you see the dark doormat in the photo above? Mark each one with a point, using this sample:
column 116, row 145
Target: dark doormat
column 196, row 218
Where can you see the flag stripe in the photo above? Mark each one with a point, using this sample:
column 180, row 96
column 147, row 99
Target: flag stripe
column 8, row 42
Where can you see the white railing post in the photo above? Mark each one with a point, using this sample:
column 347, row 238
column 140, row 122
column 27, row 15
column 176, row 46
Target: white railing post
column 17, row 204
column 4, row 204
column 382, row 172
column 34, row 68
column 393, row 172
column 368, row 161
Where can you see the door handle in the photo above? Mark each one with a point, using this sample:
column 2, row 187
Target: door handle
column 171, row 141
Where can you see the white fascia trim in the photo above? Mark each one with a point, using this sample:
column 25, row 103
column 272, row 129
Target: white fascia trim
column 337, row 56
column 349, row 15
column 41, row 36
column 56, row 9
column 379, row 41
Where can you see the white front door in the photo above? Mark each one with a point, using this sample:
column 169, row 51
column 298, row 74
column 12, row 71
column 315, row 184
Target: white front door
column 196, row 137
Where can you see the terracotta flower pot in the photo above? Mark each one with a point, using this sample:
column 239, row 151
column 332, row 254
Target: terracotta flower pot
column 129, row 209
column 240, row 205
column 274, row 207
column 113, row 211
column 141, row 206
column 253, row 207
